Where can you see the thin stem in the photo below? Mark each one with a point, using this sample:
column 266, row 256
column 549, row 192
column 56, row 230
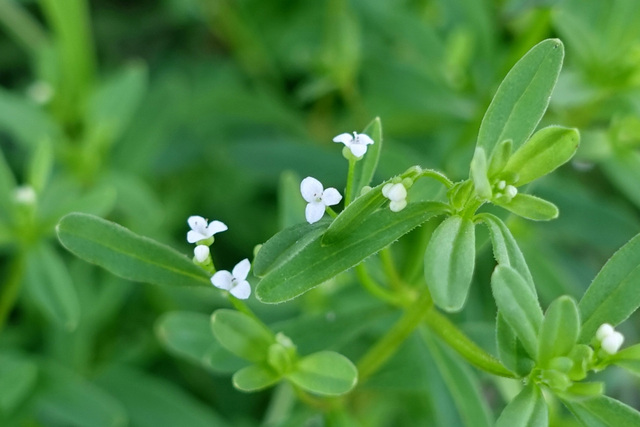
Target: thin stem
column 386, row 347
column 24, row 28
column 244, row 308
column 390, row 269
column 458, row 341
column 11, row 287
column 331, row 212
column 439, row 176
column 375, row 289
column 350, row 174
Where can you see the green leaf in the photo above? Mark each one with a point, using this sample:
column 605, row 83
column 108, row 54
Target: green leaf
column 50, row 286
column 613, row 295
column 254, row 378
column 510, row 349
column 528, row 409
column 500, row 157
column 449, row 261
column 7, row 186
column 479, row 174
column 546, row 150
column 241, row 335
column 365, row 169
column 523, row 96
column 188, row 335
column 127, row 254
column 530, row 207
column 628, row 358
column 326, row 373
column 461, row 381
column 603, row 411
column 518, row 305
column 290, row 205
column 18, row 376
column 559, row 331
column 40, row 165
column 309, row 264
column 505, row 248
column 623, row 170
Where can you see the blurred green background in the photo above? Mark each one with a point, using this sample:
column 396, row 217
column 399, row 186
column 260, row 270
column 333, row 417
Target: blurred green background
column 147, row 112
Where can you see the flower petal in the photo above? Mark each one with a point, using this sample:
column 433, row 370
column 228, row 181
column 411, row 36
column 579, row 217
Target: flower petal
column 365, row 139
column 201, row 253
column 241, row 270
column 222, row 280
column 197, row 223
column 398, row 205
column 345, row 138
column 386, row 188
column 216, row 227
column 314, row 211
column 358, row 150
column 396, row 193
column 603, row 331
column 331, row 197
column 195, row 236
column 310, row 188
column 612, row 342
column 242, row 290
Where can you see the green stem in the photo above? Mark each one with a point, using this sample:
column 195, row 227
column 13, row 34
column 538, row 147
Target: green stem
column 390, row 269
column 24, row 28
column 331, row 212
column 11, row 287
column 439, row 176
column 375, row 289
column 386, row 347
column 458, row 341
column 244, row 308
column 349, row 189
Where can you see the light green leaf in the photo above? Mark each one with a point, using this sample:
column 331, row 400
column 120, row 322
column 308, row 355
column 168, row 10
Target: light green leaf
column 127, row 254
column 365, row 169
column 326, row 373
column 530, row 207
column 479, row 174
column 18, row 375
column 449, row 261
column 242, row 335
column 528, row 409
column 510, row 349
column 290, row 204
column 50, row 286
column 628, row 358
column 523, row 96
column 505, row 248
column 559, row 331
column 613, row 295
column 603, row 411
column 40, row 165
column 189, row 335
column 462, row 383
column 254, row 378
column 518, row 305
column 308, row 264
column 500, row 157
column 546, row 150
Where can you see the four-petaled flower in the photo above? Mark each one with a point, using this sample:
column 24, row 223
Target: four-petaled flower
column 610, row 339
column 200, row 230
column 357, row 142
column 397, row 194
column 234, row 282
column 317, row 198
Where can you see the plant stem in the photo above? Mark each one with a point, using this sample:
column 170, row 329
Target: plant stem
column 375, row 289
column 386, row 347
column 349, row 189
column 390, row 269
column 458, row 341
column 439, row 176
column 11, row 287
column 24, row 28
column 244, row 308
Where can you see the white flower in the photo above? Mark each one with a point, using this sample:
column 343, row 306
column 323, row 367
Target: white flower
column 397, row 194
column 610, row 339
column 317, row 198
column 200, row 230
column 201, row 253
column 603, row 331
column 357, row 142
column 25, row 195
column 234, row 282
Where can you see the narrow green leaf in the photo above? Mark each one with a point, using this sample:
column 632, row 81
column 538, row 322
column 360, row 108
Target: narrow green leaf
column 528, row 409
column 462, row 383
column 498, row 160
column 559, row 331
column 40, row 165
column 530, row 207
column 189, row 335
column 50, row 286
column 505, row 248
column 366, row 168
column 510, row 349
column 7, row 186
column 254, row 378
column 628, row 358
column 546, row 150
column 290, row 205
column 18, row 376
column 479, row 174
column 603, row 411
column 613, row 295
column 518, row 305
column 449, row 261
column 241, row 335
column 623, row 169
column 326, row 373
column 127, row 254
column 313, row 263
column 523, row 96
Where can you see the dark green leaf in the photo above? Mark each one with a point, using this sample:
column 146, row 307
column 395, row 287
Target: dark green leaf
column 18, row 376
column 603, row 411
column 510, row 349
column 366, row 168
column 528, row 409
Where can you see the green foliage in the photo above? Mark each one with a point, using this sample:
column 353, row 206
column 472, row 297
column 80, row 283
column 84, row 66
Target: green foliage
column 527, row 409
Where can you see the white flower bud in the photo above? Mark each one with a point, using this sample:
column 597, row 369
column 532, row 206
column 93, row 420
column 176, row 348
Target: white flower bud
column 612, row 342
column 201, row 253
column 604, row 331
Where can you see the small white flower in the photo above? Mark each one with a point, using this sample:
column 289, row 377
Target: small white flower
column 317, row 198
column 234, row 282
column 357, row 142
column 510, row 191
column 201, row 253
column 25, row 195
column 397, row 193
column 200, row 230
column 604, row 331
column 612, row 342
